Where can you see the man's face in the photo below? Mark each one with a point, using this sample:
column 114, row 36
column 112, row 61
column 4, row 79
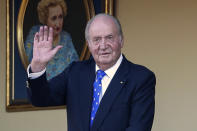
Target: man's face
column 55, row 19
column 104, row 42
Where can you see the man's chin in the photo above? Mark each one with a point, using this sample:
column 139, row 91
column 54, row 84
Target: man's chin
column 105, row 61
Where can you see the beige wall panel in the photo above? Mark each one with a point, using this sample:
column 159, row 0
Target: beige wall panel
column 161, row 34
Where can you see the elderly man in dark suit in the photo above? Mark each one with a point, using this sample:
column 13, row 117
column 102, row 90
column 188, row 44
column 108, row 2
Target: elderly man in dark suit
column 104, row 93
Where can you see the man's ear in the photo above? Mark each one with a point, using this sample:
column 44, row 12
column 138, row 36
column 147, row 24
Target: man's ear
column 121, row 41
column 87, row 42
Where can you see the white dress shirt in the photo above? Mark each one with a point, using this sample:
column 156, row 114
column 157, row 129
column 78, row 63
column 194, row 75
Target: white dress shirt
column 109, row 75
column 34, row 75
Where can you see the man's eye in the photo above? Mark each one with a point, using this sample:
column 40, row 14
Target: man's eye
column 110, row 37
column 96, row 39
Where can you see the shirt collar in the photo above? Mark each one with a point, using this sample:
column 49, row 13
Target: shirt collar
column 112, row 70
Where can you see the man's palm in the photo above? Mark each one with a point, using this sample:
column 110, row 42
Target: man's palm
column 43, row 51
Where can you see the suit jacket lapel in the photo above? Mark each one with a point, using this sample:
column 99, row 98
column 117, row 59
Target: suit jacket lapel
column 86, row 92
column 112, row 91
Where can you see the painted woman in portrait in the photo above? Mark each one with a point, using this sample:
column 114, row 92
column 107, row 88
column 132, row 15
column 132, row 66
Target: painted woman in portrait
column 52, row 13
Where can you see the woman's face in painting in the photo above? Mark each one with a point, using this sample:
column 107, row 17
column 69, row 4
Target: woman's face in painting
column 55, row 19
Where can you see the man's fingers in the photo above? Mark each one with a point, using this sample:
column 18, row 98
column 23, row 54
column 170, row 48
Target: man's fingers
column 55, row 50
column 45, row 33
column 36, row 39
column 41, row 33
column 50, row 38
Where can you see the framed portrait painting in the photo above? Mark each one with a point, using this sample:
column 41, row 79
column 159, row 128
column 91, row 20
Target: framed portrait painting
column 68, row 19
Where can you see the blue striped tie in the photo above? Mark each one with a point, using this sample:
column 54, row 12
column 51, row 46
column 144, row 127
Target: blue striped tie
column 97, row 93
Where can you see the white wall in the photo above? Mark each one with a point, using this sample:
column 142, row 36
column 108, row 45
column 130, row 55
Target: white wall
column 160, row 34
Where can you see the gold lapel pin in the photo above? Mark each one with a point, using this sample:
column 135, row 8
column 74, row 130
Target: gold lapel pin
column 121, row 82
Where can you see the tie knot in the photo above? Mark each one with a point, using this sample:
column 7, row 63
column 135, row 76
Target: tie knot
column 100, row 74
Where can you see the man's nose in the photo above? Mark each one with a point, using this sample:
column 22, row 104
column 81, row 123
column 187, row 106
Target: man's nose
column 103, row 43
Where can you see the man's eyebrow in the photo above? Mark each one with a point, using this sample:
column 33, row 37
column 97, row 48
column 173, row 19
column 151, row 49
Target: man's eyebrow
column 97, row 37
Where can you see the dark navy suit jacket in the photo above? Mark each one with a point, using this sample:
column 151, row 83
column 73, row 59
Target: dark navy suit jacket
column 127, row 105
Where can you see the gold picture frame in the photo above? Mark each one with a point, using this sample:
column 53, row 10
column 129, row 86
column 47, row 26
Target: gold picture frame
column 16, row 58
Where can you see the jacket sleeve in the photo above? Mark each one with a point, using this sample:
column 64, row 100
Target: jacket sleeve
column 44, row 93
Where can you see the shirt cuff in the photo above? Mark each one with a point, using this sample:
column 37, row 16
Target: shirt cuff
column 34, row 75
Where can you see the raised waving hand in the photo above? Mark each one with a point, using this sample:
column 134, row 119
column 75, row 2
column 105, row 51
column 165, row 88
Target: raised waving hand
column 43, row 50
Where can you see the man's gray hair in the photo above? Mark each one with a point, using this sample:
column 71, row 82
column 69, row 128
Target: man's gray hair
column 115, row 20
